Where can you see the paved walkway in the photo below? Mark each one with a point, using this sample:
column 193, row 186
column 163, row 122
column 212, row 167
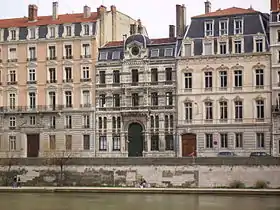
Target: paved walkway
column 141, row 190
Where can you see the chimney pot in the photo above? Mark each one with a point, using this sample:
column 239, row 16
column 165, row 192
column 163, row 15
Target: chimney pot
column 113, row 8
column 32, row 12
column 87, row 12
column 132, row 29
column 207, row 6
column 171, row 31
column 55, row 10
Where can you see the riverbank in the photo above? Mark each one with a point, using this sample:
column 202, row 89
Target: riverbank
column 210, row 191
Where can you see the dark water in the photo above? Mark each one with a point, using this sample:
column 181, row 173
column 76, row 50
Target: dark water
column 135, row 202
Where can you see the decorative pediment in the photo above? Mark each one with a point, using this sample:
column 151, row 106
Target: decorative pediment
column 237, row 98
column 32, row 88
column 12, row 89
column 222, row 68
column 85, row 86
column 259, row 66
column 237, row 67
column 223, row 99
column 32, row 64
column 208, row 99
column 133, row 43
column 259, row 98
column 259, row 36
column 223, row 38
column 67, row 63
column 51, row 63
column 188, row 100
column 187, row 40
column 208, row 39
column 187, row 69
column 12, row 65
column 67, row 86
column 237, row 37
column 86, row 61
column 208, row 68
column 51, row 87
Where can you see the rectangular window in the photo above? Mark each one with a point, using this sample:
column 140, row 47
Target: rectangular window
column 68, row 99
column 223, row 110
column 134, row 76
column 208, row 28
column 12, row 77
column 154, row 53
column 116, row 55
column 188, row 111
column 238, row 107
column 169, row 142
column 103, row 56
column 188, row 80
column 102, row 143
column 52, row 99
column 68, row 142
column 32, row 53
column 223, row 47
column 259, row 78
column 238, row 83
column 102, row 77
column 168, row 75
column 154, row 99
column 135, row 99
column 223, row 27
column 86, row 51
column 260, row 140
column 116, row 77
column 32, row 120
column 168, row 52
column 86, row 121
column 13, row 34
column 12, row 122
column 208, row 80
column 52, row 32
column 238, row 140
column 278, row 35
column 12, row 143
column 154, row 76
column 259, row 45
column 86, row 30
column 52, row 53
column 223, row 79
column 102, row 100
column 237, row 46
column 32, row 75
column 260, row 109
column 32, row 32
column 68, row 74
column 52, row 142
column 68, row 31
column 208, row 48
column 12, row 100
column 86, row 98
column 68, row 121
column 209, row 140
column 208, row 111
column 238, row 26
column 154, row 142
column 116, row 100
column 52, row 122
column 52, row 74
column 68, row 51
column 169, row 98
column 86, row 74
column 86, row 142
column 224, row 140
column 116, row 143
column 32, row 100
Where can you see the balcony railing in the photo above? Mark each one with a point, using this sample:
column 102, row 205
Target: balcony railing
column 39, row 108
column 275, row 109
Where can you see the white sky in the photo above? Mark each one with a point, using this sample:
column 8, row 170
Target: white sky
column 156, row 15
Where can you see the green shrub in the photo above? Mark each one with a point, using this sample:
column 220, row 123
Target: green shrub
column 237, row 184
column 260, row 184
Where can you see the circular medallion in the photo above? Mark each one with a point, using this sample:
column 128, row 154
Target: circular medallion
column 135, row 50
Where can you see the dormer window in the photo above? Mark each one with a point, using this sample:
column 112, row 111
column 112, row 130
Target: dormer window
column 259, row 44
column 103, row 55
column 238, row 26
column 208, row 28
column 52, row 32
column 116, row 55
column 223, row 27
column 32, row 32
column 86, row 30
column 168, row 52
column 13, row 34
column 68, row 31
column 155, row 53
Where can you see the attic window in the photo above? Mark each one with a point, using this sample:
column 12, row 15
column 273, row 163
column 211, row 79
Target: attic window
column 168, row 52
column 154, row 53
column 116, row 55
column 103, row 56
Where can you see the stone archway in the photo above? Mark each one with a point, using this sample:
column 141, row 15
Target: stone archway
column 135, row 140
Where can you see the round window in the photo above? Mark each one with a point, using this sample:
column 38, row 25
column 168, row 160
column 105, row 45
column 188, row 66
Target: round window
column 135, row 50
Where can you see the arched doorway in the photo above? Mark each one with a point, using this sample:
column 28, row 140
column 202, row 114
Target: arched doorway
column 135, row 140
column 188, row 145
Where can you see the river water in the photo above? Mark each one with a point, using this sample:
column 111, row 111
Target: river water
column 22, row 201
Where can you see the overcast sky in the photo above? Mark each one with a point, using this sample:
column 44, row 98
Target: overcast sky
column 156, row 15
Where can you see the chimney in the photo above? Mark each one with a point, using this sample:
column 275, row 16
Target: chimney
column 32, row 12
column 207, row 6
column 114, row 22
column 171, row 31
column 183, row 20
column 113, row 9
column 132, row 29
column 178, row 19
column 87, row 12
column 274, row 5
column 140, row 27
column 55, row 10
column 101, row 10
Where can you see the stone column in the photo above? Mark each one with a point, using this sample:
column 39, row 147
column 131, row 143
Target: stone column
column 161, row 133
column 109, row 134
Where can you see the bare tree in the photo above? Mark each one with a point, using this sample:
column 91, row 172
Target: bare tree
column 59, row 158
column 7, row 161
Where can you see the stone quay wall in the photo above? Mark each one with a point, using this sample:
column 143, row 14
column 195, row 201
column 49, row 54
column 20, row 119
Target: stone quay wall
column 127, row 172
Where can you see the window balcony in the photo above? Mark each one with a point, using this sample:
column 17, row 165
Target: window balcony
column 31, row 82
column 67, row 57
column 67, row 80
column 12, row 60
column 85, row 56
column 12, row 83
column 51, row 58
column 85, row 80
column 31, row 59
column 85, row 105
column 52, row 81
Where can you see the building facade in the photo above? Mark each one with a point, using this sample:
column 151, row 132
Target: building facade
column 224, row 87
column 47, row 91
column 274, row 27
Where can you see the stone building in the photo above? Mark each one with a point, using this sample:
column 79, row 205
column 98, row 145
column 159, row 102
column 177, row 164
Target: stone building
column 47, row 93
column 274, row 27
column 135, row 94
column 224, row 88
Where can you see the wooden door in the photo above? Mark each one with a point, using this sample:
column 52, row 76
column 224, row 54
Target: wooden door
column 33, row 145
column 135, row 140
column 188, row 145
